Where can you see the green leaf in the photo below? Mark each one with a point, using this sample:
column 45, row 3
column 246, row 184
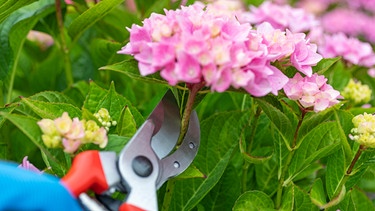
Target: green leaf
column 278, row 118
column 191, row 172
column 130, row 68
column 51, row 110
column 52, row 97
column 225, row 193
column 77, row 92
column 13, row 32
column 29, row 127
column 253, row 158
column 111, row 100
column 361, row 201
column 126, row 125
column 339, row 75
column 90, row 17
column 319, row 142
column 324, row 65
column 354, row 200
column 116, row 143
column 296, row 199
column 312, row 120
column 219, row 137
column 253, row 200
column 335, row 173
column 9, row 6
column 266, row 176
column 344, row 122
column 317, row 194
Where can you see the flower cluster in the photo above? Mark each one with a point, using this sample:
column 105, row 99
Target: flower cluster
column 312, row 92
column 350, row 48
column 105, row 119
column 364, row 130
column 195, row 45
column 356, row 92
column 282, row 17
column 71, row 133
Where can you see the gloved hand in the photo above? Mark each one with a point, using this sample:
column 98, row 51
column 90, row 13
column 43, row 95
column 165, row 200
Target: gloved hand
column 22, row 189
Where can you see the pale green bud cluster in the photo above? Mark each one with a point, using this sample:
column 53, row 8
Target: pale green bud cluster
column 105, row 119
column 364, row 130
column 71, row 133
column 357, row 92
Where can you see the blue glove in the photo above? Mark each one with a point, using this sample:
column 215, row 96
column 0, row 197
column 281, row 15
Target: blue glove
column 22, row 189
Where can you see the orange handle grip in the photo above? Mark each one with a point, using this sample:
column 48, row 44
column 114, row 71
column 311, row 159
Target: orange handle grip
column 129, row 207
column 85, row 174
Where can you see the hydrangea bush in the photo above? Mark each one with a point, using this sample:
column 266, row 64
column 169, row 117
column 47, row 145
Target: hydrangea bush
column 283, row 93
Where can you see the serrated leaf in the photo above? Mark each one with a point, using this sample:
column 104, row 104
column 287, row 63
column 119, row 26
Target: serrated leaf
column 130, row 68
column 126, row 125
column 219, row 137
column 51, row 110
column 100, row 98
column 10, row 6
column 296, row 199
column 278, row 118
column 52, row 97
column 252, row 158
column 253, row 200
column 191, row 172
column 319, row 142
column 324, row 65
column 344, row 123
column 267, row 176
column 317, row 194
column 335, row 173
column 225, row 193
column 302, row 200
column 116, row 143
column 354, row 200
column 91, row 16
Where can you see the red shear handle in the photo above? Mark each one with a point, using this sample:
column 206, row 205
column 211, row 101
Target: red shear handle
column 129, row 207
column 86, row 173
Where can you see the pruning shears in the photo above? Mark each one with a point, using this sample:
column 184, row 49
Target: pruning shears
column 147, row 161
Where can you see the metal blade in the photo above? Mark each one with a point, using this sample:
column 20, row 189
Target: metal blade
column 167, row 120
column 181, row 159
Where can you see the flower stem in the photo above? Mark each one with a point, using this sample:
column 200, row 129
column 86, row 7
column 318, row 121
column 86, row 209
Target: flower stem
column 64, row 47
column 355, row 159
column 246, row 165
column 349, row 170
column 289, row 160
column 193, row 91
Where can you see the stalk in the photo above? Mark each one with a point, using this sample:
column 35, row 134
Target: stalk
column 64, row 47
column 289, row 160
column 193, row 91
column 246, row 165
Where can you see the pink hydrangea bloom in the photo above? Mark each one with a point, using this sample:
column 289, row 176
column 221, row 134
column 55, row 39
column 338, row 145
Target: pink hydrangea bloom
column 196, row 45
column 350, row 22
column 351, row 49
column 282, row 17
column 312, row 92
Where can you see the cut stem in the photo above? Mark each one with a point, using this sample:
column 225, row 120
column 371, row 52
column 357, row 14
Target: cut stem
column 193, row 91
